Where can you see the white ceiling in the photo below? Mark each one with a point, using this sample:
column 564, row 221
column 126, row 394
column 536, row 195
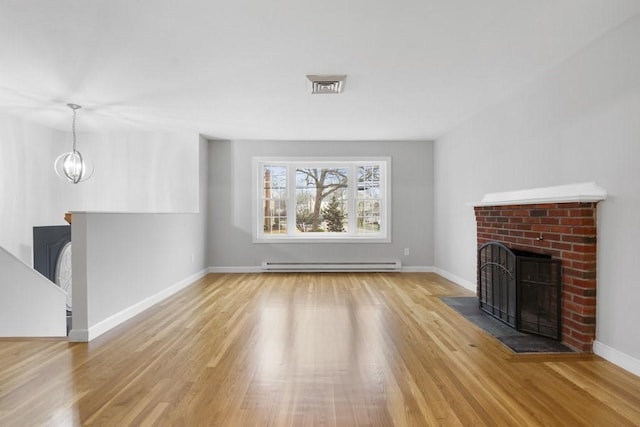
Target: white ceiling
column 236, row 68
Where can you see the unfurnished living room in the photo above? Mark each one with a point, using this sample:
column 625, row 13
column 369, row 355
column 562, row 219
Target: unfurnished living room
column 346, row 213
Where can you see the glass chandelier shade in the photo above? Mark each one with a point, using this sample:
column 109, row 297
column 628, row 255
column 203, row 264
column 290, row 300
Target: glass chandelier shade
column 72, row 166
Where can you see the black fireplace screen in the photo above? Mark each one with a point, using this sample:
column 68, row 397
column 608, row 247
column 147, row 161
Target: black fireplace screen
column 522, row 289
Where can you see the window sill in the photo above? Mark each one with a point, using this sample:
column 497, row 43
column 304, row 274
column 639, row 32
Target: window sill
column 323, row 239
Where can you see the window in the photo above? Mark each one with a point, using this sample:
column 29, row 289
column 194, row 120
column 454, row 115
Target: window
column 321, row 200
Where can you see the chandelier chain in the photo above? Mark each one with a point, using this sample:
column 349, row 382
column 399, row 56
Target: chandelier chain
column 73, row 128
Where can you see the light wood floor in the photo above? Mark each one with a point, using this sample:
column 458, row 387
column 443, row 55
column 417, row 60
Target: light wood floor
column 358, row 349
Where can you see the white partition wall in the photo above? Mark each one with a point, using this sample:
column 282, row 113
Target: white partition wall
column 124, row 263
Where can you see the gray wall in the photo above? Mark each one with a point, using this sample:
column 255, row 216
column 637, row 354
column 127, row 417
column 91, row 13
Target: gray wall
column 230, row 203
column 580, row 122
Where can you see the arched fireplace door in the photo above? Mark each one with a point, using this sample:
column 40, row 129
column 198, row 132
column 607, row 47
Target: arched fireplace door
column 52, row 256
column 520, row 288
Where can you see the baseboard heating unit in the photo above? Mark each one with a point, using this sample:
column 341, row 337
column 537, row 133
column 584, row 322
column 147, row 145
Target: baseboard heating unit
column 331, row 266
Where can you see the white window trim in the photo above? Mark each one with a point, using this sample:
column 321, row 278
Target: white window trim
column 384, row 236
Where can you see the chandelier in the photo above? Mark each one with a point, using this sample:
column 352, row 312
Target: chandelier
column 71, row 166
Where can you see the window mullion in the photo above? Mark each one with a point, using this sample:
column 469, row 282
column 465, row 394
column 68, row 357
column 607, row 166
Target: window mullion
column 384, row 199
column 352, row 192
column 260, row 191
column 291, row 199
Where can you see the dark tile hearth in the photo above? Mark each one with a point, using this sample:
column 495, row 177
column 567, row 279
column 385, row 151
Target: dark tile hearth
column 517, row 341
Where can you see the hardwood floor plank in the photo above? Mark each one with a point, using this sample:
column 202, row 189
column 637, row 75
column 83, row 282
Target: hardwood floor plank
column 330, row 349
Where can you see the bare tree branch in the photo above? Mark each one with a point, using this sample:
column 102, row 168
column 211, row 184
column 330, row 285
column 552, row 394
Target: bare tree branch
column 318, row 178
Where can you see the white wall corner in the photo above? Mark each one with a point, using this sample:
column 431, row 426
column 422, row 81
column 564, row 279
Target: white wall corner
column 455, row 279
column 126, row 314
column 617, row 357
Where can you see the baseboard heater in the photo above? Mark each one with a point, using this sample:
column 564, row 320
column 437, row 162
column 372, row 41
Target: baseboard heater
column 332, row 266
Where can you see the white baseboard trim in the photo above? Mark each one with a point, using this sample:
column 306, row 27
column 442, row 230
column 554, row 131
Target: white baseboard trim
column 455, row 279
column 617, row 357
column 245, row 269
column 416, row 269
column 111, row 322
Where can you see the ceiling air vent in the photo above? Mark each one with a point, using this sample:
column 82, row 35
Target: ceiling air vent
column 326, row 84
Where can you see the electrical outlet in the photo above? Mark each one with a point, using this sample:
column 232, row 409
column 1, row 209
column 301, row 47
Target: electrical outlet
column 406, row 251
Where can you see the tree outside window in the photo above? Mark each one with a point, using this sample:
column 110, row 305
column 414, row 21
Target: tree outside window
column 313, row 186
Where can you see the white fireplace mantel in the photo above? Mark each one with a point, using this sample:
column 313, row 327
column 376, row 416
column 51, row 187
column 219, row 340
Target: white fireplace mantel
column 583, row 192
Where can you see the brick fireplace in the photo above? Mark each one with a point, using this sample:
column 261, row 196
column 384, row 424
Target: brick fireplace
column 562, row 226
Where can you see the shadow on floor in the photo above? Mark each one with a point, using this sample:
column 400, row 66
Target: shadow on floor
column 518, row 342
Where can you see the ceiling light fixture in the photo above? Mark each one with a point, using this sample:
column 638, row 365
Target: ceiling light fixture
column 72, row 166
column 327, row 84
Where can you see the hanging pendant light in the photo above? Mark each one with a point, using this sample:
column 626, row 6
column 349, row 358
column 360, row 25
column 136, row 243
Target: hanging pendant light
column 72, row 166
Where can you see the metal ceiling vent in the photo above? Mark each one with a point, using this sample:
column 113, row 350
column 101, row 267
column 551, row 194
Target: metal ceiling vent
column 326, row 84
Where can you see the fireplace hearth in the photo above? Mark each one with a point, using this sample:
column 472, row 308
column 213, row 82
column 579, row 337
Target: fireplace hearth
column 520, row 288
